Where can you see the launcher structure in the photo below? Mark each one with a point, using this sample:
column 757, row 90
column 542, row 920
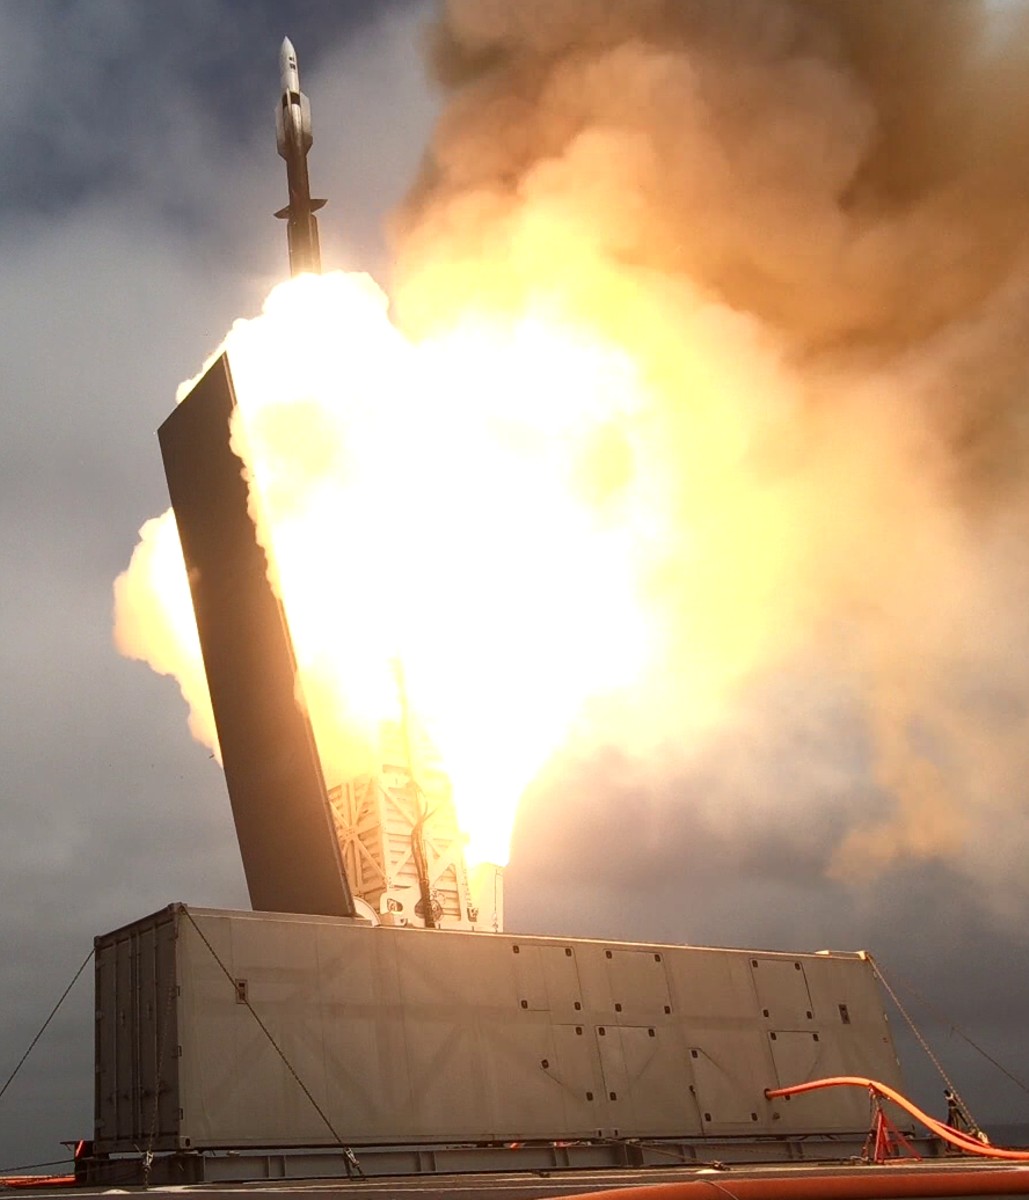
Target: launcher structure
column 279, row 804
column 324, row 1033
column 300, row 1040
column 390, row 839
column 402, row 851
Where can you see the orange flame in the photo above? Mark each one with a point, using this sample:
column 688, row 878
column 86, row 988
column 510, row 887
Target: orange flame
column 433, row 503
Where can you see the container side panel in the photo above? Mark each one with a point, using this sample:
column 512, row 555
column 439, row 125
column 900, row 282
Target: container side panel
column 366, row 1067
column 422, row 1036
column 150, row 1025
column 105, row 1066
column 800, row 1055
column 441, row 1020
column 166, row 1033
column 527, row 1083
column 782, row 990
column 731, row 1068
column 708, row 981
column 561, row 977
column 136, row 1040
column 658, row 1078
column 126, row 1058
column 579, row 1071
column 639, row 987
column 290, row 852
column 532, row 990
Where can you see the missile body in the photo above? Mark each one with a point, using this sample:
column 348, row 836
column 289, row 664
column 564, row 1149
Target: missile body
column 293, row 137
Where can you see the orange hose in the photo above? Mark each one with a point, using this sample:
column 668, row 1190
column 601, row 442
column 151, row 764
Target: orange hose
column 36, row 1181
column 955, row 1137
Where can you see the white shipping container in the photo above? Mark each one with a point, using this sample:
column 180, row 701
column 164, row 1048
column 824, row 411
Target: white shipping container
column 219, row 1029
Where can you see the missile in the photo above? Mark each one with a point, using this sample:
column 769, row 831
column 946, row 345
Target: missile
column 293, row 137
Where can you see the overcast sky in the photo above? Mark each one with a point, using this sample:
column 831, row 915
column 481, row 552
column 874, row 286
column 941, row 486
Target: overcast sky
column 139, row 178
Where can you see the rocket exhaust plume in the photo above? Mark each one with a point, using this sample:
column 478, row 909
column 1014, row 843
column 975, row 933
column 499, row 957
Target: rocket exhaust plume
column 698, row 428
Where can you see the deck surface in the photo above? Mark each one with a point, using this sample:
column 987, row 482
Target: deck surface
column 544, row 1184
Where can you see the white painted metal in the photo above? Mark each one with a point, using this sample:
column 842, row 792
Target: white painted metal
column 405, row 1036
column 376, row 820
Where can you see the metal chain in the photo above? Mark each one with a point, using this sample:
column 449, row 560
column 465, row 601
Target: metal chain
column 925, row 1045
column 941, row 1016
column 349, row 1157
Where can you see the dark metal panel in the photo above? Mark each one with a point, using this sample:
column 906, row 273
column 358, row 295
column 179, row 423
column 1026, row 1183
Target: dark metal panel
column 290, row 852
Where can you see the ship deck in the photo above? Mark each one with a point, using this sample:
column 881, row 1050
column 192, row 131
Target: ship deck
column 957, row 1178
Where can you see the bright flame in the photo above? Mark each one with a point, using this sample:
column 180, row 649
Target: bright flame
column 671, row 414
column 155, row 622
column 438, row 504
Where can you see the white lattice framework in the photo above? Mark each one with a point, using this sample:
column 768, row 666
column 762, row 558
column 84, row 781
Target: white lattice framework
column 378, row 820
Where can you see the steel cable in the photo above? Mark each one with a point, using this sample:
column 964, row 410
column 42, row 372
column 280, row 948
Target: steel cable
column 349, row 1158
column 43, row 1027
column 941, row 1016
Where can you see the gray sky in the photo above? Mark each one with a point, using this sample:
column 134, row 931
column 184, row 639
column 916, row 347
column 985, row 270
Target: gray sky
column 139, row 179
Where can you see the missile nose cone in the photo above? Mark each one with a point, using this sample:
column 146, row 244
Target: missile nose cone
column 288, row 69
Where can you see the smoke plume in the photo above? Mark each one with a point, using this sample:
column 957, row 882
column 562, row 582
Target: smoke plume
column 688, row 468
column 804, row 222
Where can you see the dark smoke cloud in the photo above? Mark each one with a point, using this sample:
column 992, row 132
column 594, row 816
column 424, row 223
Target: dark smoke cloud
column 824, row 204
column 816, row 163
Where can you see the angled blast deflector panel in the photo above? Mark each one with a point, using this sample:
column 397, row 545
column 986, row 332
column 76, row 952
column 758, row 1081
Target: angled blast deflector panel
column 290, row 851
